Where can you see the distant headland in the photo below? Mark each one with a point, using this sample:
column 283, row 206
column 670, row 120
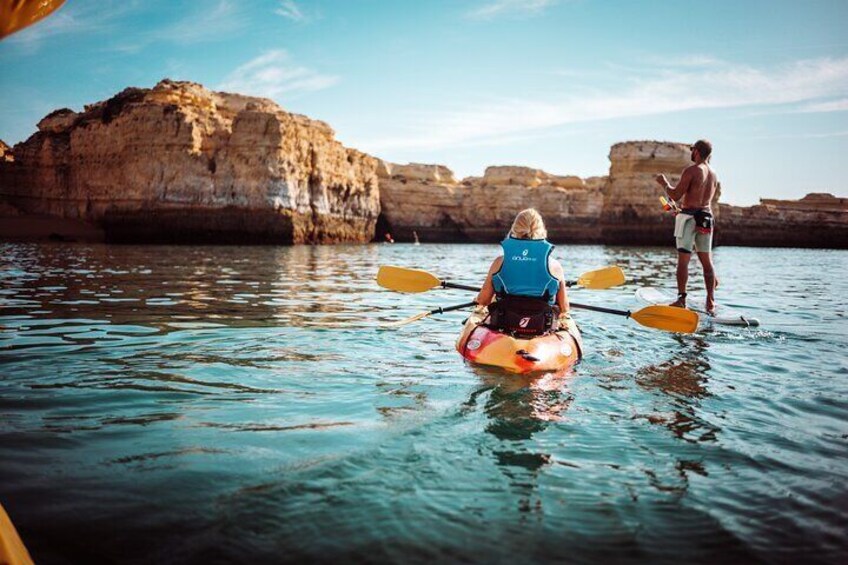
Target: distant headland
column 178, row 163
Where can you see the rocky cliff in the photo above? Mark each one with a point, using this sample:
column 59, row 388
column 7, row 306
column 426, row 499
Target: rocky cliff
column 817, row 220
column 5, row 152
column 632, row 213
column 622, row 208
column 428, row 200
column 181, row 163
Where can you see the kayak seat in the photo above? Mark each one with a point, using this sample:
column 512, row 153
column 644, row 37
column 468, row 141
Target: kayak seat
column 522, row 316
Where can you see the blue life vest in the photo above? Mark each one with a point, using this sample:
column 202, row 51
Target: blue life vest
column 524, row 271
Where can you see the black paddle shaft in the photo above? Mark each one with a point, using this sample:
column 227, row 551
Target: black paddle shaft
column 446, row 284
column 625, row 313
column 449, row 308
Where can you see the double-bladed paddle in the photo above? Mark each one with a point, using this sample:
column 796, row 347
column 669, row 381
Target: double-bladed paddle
column 423, row 315
column 667, row 318
column 402, row 279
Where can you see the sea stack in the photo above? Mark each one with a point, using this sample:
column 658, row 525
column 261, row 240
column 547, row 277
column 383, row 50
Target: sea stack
column 180, row 163
column 632, row 213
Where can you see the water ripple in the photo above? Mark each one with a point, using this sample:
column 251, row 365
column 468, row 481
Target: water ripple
column 241, row 404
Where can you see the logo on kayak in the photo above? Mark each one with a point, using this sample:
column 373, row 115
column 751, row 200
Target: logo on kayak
column 525, row 252
column 524, row 321
column 473, row 344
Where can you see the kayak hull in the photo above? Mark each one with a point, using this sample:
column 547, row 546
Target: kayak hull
column 556, row 351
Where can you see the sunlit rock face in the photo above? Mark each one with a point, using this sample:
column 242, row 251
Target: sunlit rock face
column 5, row 152
column 817, row 220
column 427, row 200
column 179, row 162
column 632, row 212
column 620, row 208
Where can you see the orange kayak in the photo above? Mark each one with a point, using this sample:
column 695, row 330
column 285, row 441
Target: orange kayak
column 555, row 351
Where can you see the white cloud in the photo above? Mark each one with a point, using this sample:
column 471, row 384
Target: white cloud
column 289, row 9
column 223, row 21
column 203, row 25
column 825, row 135
column 683, row 61
column 274, row 74
column 497, row 8
column 645, row 93
column 831, row 106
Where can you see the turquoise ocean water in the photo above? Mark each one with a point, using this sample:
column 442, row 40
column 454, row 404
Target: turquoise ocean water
column 240, row 404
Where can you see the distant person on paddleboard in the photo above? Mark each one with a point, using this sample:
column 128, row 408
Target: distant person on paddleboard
column 693, row 225
column 528, row 283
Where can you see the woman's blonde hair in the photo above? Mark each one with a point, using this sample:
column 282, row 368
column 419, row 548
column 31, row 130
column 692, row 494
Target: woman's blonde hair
column 528, row 224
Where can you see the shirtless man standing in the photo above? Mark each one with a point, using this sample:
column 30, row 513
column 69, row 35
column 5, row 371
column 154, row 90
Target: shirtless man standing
column 693, row 226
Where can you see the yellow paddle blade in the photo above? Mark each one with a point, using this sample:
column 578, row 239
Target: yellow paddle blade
column 409, row 320
column 12, row 550
column 668, row 318
column 602, row 278
column 18, row 14
column 406, row 280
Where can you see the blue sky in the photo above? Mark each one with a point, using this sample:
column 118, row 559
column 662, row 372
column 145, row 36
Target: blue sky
column 470, row 83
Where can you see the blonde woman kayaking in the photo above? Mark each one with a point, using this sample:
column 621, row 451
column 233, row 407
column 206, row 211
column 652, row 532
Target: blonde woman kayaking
column 528, row 283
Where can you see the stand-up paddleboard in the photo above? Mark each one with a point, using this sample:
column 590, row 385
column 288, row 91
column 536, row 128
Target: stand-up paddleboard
column 724, row 315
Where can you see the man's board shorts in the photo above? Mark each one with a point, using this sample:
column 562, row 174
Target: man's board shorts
column 691, row 235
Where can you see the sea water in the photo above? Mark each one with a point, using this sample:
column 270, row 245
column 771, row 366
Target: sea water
column 242, row 404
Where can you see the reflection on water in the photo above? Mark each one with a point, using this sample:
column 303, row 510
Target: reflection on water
column 518, row 407
column 684, row 378
column 127, row 285
column 235, row 404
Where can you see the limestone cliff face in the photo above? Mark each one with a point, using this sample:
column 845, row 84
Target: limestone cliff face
column 428, row 200
column 5, row 152
column 817, row 220
column 632, row 212
column 622, row 208
column 181, row 163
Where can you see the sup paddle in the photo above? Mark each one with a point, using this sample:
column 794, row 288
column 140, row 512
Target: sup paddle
column 402, row 279
column 666, row 318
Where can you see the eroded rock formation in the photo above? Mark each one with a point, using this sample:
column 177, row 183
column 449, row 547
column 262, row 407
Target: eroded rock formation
column 817, row 220
column 181, row 163
column 5, row 152
column 622, row 208
column 632, row 212
column 428, row 200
